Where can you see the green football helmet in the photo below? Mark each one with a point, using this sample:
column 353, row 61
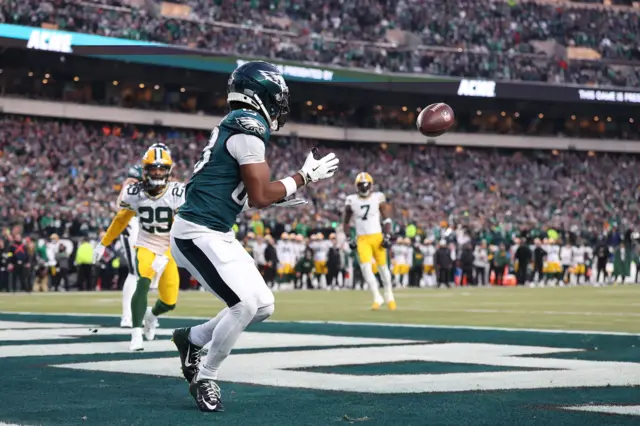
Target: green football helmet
column 261, row 85
column 135, row 172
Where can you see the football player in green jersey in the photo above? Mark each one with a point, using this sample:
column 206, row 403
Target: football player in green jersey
column 231, row 176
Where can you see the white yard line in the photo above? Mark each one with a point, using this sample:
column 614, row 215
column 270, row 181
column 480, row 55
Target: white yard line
column 371, row 324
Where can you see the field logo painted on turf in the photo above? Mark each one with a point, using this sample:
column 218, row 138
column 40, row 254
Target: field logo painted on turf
column 288, row 360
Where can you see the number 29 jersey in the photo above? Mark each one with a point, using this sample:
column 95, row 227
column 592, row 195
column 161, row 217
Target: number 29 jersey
column 155, row 214
column 366, row 212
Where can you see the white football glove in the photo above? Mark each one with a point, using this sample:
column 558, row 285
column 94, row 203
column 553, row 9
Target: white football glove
column 159, row 263
column 294, row 202
column 98, row 252
column 314, row 170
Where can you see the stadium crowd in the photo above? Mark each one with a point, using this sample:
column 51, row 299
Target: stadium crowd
column 59, row 181
column 461, row 38
column 56, row 171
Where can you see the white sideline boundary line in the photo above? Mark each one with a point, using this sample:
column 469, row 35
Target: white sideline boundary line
column 369, row 324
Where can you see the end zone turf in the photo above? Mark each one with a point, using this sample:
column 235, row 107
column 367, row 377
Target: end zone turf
column 77, row 370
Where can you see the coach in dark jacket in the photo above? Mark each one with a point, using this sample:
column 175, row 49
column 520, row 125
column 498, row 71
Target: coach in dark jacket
column 443, row 263
column 523, row 256
column 271, row 261
column 466, row 264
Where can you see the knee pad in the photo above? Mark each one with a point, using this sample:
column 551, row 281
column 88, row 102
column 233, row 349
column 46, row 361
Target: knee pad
column 247, row 307
column 263, row 313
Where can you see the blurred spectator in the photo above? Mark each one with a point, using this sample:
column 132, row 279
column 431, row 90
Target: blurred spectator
column 508, row 40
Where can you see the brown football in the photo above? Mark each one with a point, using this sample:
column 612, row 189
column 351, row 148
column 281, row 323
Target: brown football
column 435, row 119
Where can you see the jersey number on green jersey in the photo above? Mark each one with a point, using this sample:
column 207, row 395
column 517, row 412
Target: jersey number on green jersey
column 239, row 195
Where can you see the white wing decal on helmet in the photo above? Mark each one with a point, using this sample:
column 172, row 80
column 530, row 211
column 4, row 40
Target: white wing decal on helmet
column 251, row 124
column 275, row 78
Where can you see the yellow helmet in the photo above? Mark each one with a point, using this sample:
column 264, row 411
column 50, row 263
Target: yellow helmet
column 364, row 184
column 156, row 168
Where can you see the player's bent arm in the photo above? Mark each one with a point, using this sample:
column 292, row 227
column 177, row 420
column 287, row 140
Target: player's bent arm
column 348, row 214
column 249, row 152
column 125, row 184
column 386, row 211
column 261, row 191
column 118, row 224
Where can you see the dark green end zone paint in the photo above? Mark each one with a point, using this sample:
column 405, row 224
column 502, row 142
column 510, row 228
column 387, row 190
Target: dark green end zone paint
column 36, row 394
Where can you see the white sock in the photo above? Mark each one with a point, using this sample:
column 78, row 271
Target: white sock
column 385, row 276
column 201, row 334
column 372, row 282
column 127, row 294
column 226, row 334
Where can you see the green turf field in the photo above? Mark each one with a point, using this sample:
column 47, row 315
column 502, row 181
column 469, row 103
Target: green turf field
column 487, row 356
column 559, row 308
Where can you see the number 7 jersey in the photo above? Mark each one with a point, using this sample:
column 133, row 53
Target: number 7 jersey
column 366, row 212
column 155, row 214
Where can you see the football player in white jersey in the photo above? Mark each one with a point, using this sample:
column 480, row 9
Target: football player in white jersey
column 368, row 208
column 320, row 248
column 554, row 267
column 579, row 261
column 408, row 256
column 398, row 260
column 155, row 201
column 429, row 251
column 284, row 251
column 128, row 241
column 566, row 259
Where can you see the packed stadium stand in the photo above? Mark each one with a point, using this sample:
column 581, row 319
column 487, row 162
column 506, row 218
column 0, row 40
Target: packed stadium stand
column 508, row 40
column 530, row 153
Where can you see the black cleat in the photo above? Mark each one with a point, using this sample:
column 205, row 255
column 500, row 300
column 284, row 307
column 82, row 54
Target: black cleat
column 207, row 395
column 189, row 353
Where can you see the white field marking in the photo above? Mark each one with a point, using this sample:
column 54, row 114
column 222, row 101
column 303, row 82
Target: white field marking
column 274, row 369
column 10, row 424
column 370, row 324
column 629, row 410
column 12, row 325
column 69, row 333
column 248, row 340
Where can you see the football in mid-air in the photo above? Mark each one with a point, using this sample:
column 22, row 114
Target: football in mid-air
column 435, row 119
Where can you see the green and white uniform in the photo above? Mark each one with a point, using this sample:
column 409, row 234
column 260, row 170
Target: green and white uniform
column 215, row 193
column 202, row 236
